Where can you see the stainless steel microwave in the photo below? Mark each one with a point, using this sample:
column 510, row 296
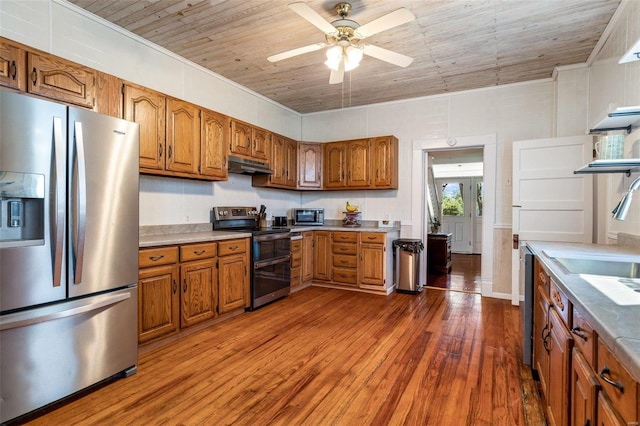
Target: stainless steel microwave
column 308, row 216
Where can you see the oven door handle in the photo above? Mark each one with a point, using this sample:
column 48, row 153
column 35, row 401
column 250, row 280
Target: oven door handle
column 270, row 262
column 270, row 237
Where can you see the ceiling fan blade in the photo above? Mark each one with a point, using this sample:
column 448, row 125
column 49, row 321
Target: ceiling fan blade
column 296, row 52
column 387, row 55
column 337, row 77
column 390, row 20
column 312, row 16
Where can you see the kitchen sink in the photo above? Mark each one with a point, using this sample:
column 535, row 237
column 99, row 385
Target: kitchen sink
column 611, row 268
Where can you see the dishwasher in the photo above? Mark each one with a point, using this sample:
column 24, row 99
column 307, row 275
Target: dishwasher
column 526, row 306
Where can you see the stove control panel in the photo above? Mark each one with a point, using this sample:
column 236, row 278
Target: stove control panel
column 233, row 213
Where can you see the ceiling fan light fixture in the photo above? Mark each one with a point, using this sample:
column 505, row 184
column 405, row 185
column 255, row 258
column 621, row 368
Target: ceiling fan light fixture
column 334, row 56
column 352, row 58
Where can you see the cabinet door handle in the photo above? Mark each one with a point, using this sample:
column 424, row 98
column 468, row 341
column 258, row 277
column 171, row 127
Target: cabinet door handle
column 13, row 70
column 578, row 332
column 198, row 252
column 160, row 151
column 545, row 337
column 155, row 258
column 175, row 287
column 34, row 76
column 169, row 151
column 605, row 370
column 184, row 288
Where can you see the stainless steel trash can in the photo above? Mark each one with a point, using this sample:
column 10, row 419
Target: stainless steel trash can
column 407, row 265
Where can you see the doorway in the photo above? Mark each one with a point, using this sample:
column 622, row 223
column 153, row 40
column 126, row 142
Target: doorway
column 422, row 153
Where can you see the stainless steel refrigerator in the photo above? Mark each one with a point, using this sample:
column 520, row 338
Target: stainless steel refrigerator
column 68, row 251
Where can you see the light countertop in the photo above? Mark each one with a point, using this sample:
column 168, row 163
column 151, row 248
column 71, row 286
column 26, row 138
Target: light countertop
column 618, row 326
column 165, row 235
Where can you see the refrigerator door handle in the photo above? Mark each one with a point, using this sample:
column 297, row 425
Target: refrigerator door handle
column 58, row 200
column 80, row 202
column 23, row 319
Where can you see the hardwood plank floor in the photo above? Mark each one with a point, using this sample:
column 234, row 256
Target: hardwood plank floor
column 324, row 356
column 464, row 274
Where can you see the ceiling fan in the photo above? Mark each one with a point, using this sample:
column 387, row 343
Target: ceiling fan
column 343, row 39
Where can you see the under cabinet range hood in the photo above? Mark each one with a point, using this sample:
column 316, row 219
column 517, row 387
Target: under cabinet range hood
column 248, row 167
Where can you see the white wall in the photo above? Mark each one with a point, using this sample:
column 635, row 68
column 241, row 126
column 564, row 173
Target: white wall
column 612, row 85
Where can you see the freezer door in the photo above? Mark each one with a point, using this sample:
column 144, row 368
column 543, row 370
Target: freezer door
column 33, row 153
column 103, row 202
column 51, row 352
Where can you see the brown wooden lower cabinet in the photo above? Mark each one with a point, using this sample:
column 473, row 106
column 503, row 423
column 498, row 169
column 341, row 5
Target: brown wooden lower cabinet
column 296, row 263
column 582, row 382
column 180, row 286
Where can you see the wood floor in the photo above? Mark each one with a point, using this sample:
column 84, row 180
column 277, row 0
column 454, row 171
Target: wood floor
column 329, row 357
column 464, row 275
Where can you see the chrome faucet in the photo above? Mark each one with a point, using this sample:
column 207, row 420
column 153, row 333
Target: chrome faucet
column 621, row 210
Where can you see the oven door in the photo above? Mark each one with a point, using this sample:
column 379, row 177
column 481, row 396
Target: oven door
column 271, row 280
column 271, row 246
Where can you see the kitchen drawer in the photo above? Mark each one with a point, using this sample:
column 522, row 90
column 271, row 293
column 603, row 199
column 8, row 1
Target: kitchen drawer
column 345, row 261
column 296, row 245
column 584, row 337
column 227, row 247
column 345, row 237
column 351, row 249
column 295, row 277
column 373, row 237
column 345, row 276
column 562, row 304
column 197, row 251
column 296, row 259
column 625, row 400
column 157, row 256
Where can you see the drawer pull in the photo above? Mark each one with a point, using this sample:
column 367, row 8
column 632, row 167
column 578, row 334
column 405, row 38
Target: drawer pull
column 233, row 248
column 605, row 370
column 558, row 300
column 156, row 258
column 198, row 252
column 371, row 238
column 578, row 332
column 344, row 262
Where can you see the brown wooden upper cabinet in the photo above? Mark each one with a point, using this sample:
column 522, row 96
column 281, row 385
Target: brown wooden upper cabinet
column 46, row 75
column 13, row 62
column 283, row 161
column 335, row 165
column 310, row 165
column 361, row 163
column 183, row 137
column 177, row 138
column 384, row 161
column 147, row 108
column 213, row 149
column 249, row 141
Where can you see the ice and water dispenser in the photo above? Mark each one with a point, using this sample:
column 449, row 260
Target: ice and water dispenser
column 21, row 209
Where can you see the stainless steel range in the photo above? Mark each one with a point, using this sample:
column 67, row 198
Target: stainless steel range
column 270, row 252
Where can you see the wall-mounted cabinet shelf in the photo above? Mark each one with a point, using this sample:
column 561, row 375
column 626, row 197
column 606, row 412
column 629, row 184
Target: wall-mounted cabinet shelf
column 620, row 119
column 623, row 165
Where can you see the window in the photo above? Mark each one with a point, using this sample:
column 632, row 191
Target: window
column 452, row 201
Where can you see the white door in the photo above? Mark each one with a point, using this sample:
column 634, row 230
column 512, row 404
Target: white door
column 550, row 202
column 457, row 205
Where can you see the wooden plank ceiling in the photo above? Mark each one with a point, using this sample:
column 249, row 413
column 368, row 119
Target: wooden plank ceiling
column 456, row 45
